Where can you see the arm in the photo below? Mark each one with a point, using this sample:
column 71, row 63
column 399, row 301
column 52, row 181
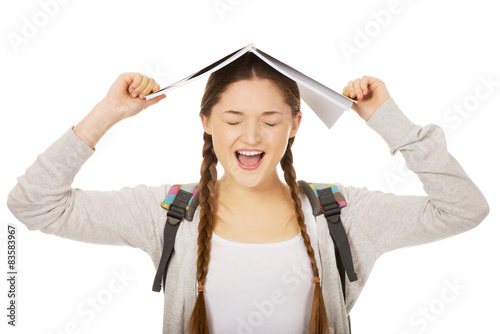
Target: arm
column 44, row 200
column 453, row 203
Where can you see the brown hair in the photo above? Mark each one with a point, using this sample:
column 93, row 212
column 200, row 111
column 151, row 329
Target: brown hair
column 247, row 67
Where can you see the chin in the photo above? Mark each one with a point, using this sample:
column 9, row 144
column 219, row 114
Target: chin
column 253, row 179
column 250, row 182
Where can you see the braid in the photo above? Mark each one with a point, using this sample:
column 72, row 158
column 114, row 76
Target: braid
column 198, row 323
column 319, row 322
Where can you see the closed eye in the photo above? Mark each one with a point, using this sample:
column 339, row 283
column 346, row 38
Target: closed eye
column 271, row 124
column 233, row 123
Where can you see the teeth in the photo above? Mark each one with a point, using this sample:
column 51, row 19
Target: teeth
column 249, row 153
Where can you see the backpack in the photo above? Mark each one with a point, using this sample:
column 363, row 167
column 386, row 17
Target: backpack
column 182, row 200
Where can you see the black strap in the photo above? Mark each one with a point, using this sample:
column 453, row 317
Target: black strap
column 337, row 232
column 175, row 215
column 341, row 269
column 341, row 242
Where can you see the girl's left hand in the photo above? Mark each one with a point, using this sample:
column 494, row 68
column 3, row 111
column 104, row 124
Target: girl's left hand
column 370, row 94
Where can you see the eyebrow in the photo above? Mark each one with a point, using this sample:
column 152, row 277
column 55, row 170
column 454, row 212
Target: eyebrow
column 235, row 112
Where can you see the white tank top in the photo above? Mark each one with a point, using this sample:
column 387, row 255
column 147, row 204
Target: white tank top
column 261, row 288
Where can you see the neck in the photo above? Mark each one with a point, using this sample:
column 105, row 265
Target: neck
column 270, row 191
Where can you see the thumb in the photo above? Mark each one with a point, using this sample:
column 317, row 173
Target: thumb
column 355, row 107
column 154, row 100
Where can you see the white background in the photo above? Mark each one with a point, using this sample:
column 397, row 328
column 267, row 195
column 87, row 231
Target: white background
column 431, row 55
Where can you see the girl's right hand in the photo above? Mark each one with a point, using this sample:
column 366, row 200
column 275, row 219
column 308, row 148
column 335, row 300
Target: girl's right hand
column 126, row 97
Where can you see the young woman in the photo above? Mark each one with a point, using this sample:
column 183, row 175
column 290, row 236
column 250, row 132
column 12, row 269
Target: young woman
column 254, row 259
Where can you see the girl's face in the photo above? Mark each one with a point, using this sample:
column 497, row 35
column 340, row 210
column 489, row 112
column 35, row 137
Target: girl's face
column 250, row 127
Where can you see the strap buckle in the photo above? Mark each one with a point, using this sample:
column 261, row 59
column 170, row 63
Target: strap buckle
column 177, row 209
column 329, row 204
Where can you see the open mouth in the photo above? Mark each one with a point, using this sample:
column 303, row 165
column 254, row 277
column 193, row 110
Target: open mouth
column 249, row 159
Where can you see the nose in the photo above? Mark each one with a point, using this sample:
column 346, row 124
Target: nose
column 252, row 134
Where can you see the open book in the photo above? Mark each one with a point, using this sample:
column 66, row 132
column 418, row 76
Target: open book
column 326, row 103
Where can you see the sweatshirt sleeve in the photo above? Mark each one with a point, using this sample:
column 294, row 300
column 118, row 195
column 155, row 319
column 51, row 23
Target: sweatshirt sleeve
column 44, row 200
column 453, row 203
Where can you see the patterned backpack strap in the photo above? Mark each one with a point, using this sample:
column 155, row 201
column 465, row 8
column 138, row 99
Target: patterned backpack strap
column 181, row 202
column 311, row 191
column 192, row 203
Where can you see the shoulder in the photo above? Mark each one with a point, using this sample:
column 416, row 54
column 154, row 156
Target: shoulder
column 314, row 191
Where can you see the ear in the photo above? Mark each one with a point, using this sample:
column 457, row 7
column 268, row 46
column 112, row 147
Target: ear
column 207, row 125
column 295, row 124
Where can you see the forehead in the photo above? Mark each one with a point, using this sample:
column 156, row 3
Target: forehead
column 256, row 95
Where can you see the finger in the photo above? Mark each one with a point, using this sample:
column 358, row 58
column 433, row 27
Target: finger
column 349, row 89
column 141, row 86
column 365, row 82
column 345, row 91
column 136, row 81
column 148, row 88
column 352, row 93
column 357, row 89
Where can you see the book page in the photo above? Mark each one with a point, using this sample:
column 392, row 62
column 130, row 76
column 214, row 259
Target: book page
column 205, row 71
column 325, row 102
